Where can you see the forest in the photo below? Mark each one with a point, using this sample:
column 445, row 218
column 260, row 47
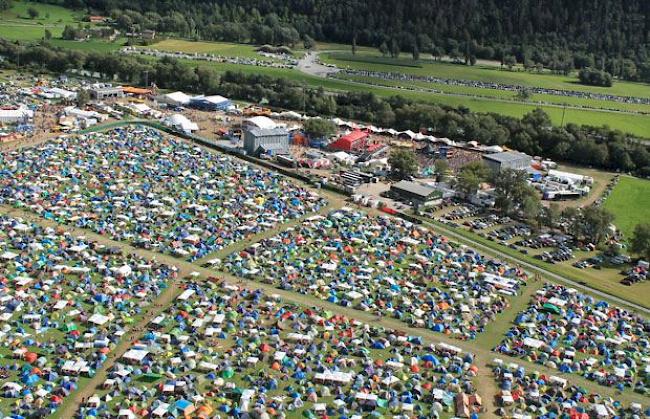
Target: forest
column 562, row 35
column 533, row 134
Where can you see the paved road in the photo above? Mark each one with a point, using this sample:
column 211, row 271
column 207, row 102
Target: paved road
column 308, row 65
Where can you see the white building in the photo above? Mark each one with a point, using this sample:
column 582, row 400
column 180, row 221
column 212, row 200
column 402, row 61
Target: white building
column 175, row 99
column 259, row 122
column 15, row 116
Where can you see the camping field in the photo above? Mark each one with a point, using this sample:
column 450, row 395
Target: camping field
column 630, row 203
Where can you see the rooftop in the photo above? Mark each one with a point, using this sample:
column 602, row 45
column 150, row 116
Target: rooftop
column 506, row 156
column 263, row 132
column 414, row 188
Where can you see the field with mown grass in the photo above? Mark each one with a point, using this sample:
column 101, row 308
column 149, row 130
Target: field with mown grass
column 630, row 203
column 484, row 73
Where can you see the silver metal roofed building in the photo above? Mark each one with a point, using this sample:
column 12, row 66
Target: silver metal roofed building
column 266, row 141
column 417, row 193
column 507, row 160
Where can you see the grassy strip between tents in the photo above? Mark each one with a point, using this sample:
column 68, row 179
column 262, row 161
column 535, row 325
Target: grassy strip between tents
column 630, row 204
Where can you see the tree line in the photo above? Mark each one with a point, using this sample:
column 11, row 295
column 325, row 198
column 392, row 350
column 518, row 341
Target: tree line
column 534, row 134
column 610, row 35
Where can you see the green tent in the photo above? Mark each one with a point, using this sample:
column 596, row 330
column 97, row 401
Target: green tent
column 227, row 373
column 308, row 414
column 69, row 327
column 151, row 377
column 551, row 308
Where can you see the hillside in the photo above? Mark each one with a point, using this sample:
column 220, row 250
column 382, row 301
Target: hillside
column 610, row 34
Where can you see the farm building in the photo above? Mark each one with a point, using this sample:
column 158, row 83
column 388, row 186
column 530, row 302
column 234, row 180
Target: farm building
column 419, row 194
column 507, row 160
column 210, row 103
column 266, row 141
column 354, row 141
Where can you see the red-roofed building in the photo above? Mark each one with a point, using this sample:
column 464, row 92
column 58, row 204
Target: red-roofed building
column 354, row 141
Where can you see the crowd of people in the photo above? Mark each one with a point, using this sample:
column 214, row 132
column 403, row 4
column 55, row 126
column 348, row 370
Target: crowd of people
column 387, row 266
column 153, row 190
column 575, row 333
column 66, row 302
column 229, row 351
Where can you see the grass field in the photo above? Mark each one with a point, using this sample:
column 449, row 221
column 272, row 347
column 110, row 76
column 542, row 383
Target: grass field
column 503, row 94
column 630, row 203
column 17, row 25
column 485, row 73
column 635, row 124
column 225, row 49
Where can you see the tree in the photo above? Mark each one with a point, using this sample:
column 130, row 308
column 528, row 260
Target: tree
column 551, row 215
column 594, row 77
column 403, row 163
column 308, row 42
column 33, row 13
column 509, row 61
column 471, row 176
column 442, row 169
column 394, row 48
column 48, row 34
column 640, row 241
column 319, row 128
column 532, row 210
column 69, row 33
column 511, row 190
column 416, row 52
column 592, row 224
column 83, row 97
column 383, row 49
column 523, row 93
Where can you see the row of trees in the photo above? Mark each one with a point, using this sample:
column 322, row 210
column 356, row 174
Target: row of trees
column 609, row 35
column 533, row 134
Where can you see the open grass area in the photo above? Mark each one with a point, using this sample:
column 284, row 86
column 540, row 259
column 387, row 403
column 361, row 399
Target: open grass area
column 226, row 49
column 504, row 94
column 17, row 25
column 92, row 45
column 630, row 203
column 484, row 73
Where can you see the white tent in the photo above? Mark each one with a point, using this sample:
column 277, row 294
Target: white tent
column 175, row 99
column 181, row 123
